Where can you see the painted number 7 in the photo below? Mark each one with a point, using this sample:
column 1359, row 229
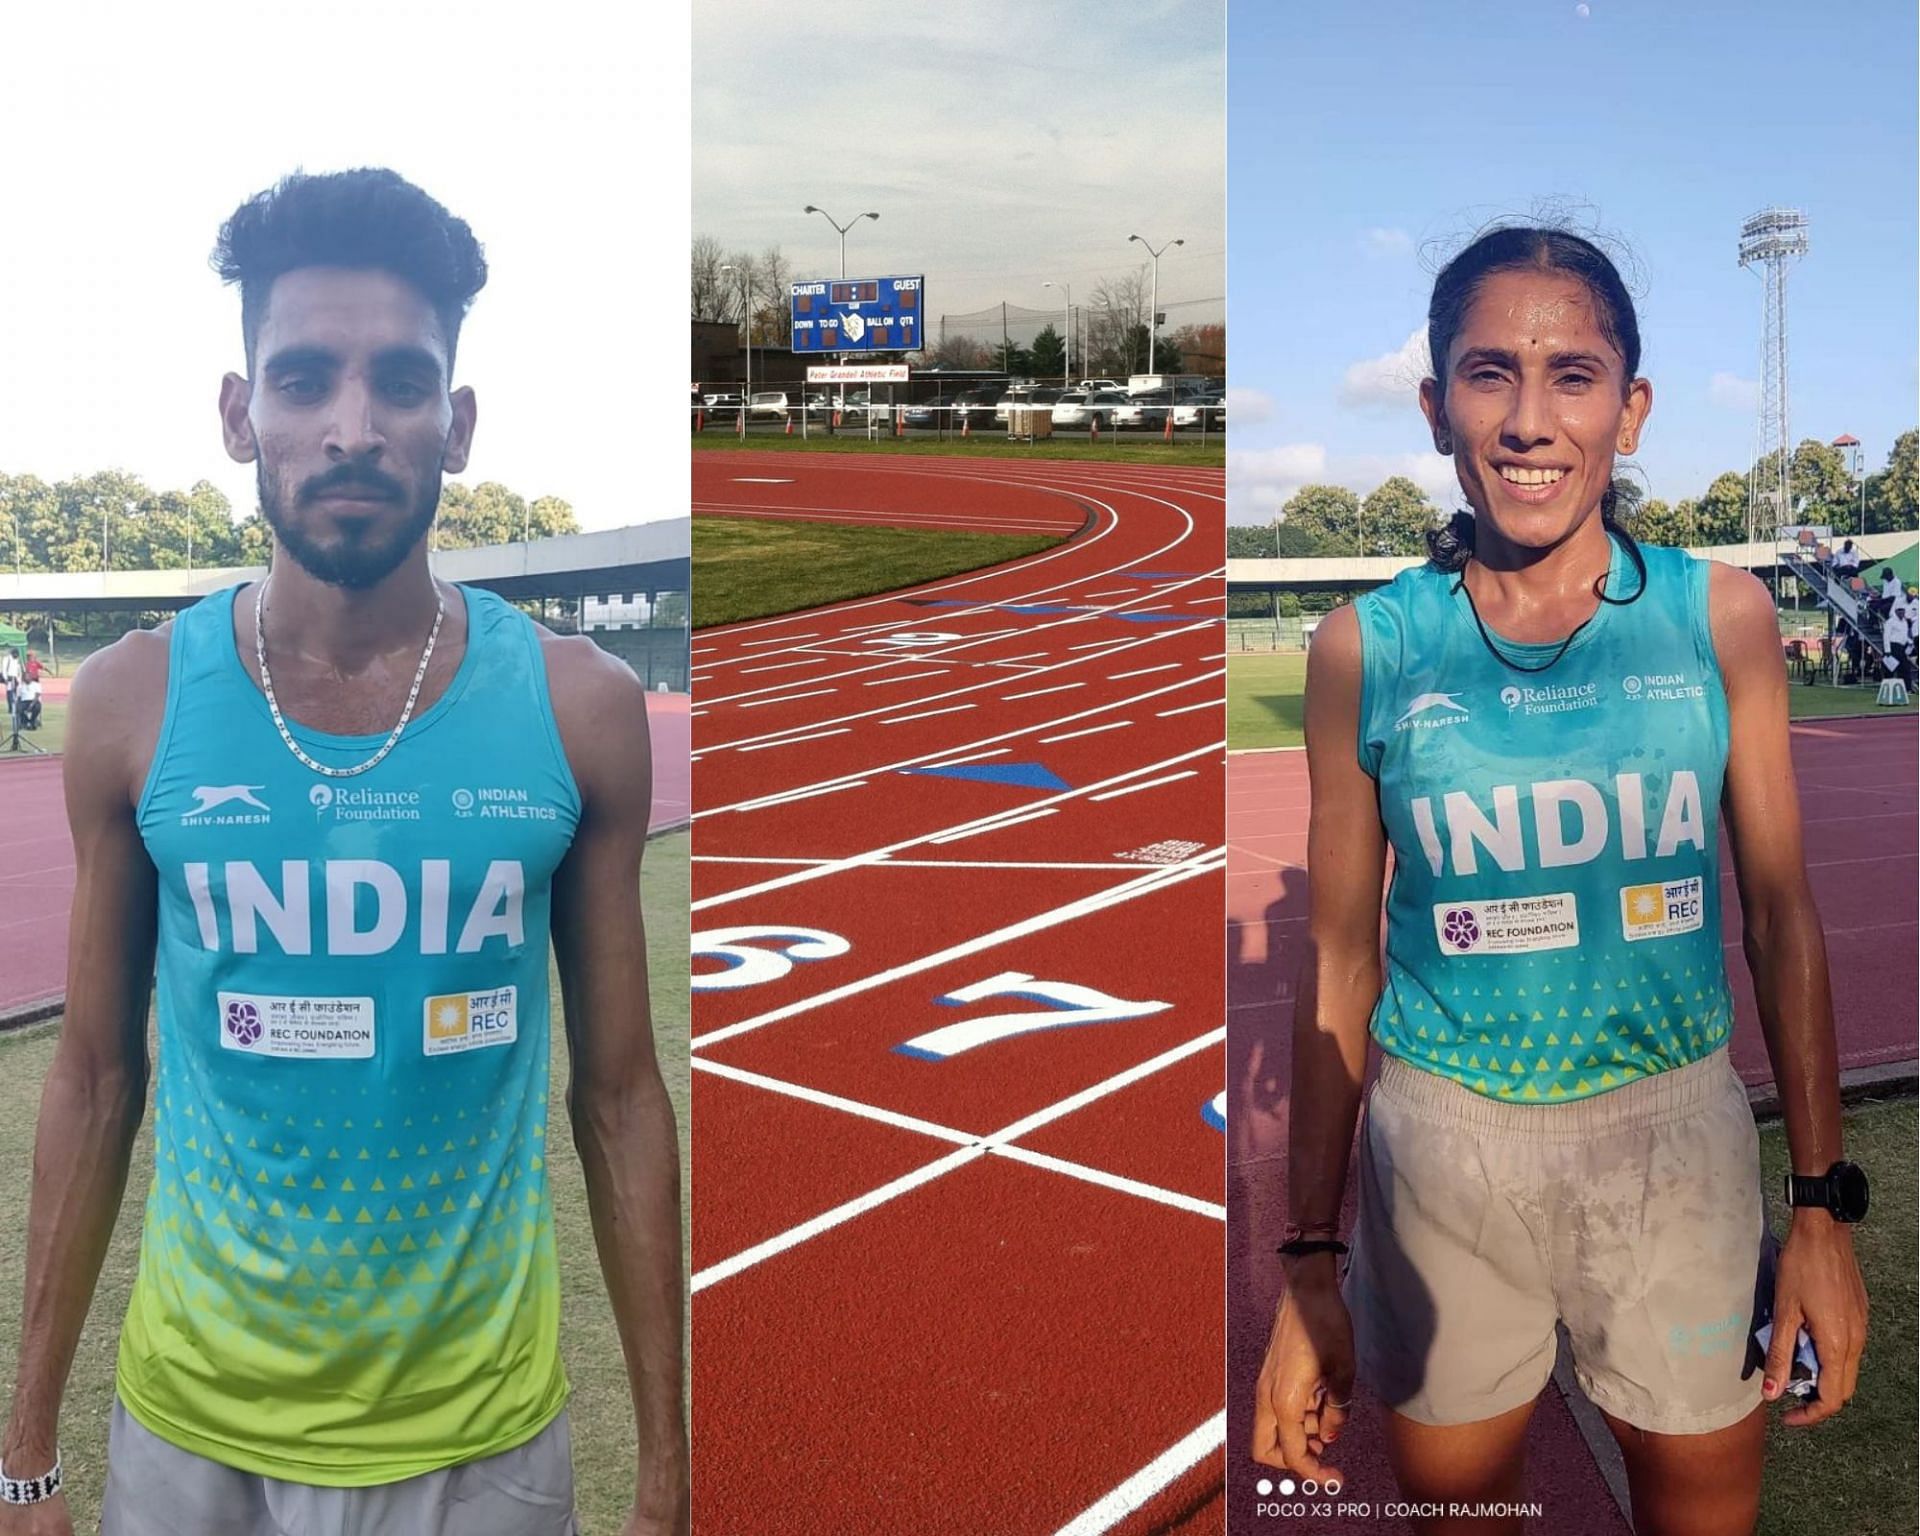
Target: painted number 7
column 1066, row 1004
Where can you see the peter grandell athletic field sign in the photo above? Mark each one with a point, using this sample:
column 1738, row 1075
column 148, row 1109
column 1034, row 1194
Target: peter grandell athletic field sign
column 859, row 314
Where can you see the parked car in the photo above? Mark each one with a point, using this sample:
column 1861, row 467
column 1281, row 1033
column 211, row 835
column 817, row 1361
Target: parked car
column 930, row 413
column 1091, row 385
column 768, row 404
column 975, row 408
column 1046, row 395
column 1070, row 410
column 1205, row 410
column 724, row 405
column 1146, row 411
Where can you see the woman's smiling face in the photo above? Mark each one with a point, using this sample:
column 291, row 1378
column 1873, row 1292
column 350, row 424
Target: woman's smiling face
column 1535, row 404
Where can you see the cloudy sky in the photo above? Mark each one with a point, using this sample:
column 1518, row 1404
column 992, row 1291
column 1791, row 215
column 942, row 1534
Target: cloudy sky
column 1370, row 140
column 558, row 132
column 1003, row 144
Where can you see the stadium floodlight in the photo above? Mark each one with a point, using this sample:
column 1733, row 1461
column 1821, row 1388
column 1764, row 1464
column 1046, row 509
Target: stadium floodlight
column 843, row 228
column 1067, row 367
column 1770, row 242
column 1154, row 328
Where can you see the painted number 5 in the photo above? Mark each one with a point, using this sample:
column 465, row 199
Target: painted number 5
column 1066, row 1004
column 749, row 966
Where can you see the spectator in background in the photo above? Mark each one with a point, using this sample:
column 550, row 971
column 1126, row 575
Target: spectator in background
column 30, row 704
column 10, row 671
column 1847, row 562
column 32, row 670
column 1890, row 591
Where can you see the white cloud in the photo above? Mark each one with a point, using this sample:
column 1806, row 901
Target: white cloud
column 1387, row 242
column 1248, row 406
column 1731, row 392
column 1261, row 481
column 1388, row 382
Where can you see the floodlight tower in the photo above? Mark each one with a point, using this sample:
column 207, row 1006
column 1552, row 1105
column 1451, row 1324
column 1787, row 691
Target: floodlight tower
column 1771, row 241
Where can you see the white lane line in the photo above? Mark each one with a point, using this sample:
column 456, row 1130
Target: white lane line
column 1082, row 1171
column 703, row 650
column 874, row 855
column 906, row 677
column 1186, row 709
column 1114, row 1181
column 1114, row 1506
column 826, row 1221
column 799, row 794
column 794, row 741
column 787, row 698
column 998, row 826
column 695, row 713
column 1106, row 866
column 1034, row 693
column 1146, row 884
column 835, row 1101
column 928, row 714
column 781, row 666
column 1092, row 730
column 1134, row 789
column 1007, row 661
column 954, row 762
column 1094, row 645
column 1112, row 592
column 1165, row 666
column 812, row 634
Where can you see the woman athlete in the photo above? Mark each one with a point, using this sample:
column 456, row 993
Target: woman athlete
column 1545, row 722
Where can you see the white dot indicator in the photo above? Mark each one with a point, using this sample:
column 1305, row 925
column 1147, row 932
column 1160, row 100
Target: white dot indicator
column 1333, row 1486
column 1263, row 1487
column 1309, row 1487
column 1286, row 1487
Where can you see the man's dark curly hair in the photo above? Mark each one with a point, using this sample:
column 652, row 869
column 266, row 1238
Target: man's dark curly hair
column 367, row 218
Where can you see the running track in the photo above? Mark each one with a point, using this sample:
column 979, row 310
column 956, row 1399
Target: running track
column 963, row 1272
column 1857, row 781
column 36, row 854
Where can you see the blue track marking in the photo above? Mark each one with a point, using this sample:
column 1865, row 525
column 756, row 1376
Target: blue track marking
column 1022, row 775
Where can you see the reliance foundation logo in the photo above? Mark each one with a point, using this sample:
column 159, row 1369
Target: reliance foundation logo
column 1553, row 699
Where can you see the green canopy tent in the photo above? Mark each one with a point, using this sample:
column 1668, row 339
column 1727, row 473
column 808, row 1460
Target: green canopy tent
column 11, row 636
column 1906, row 565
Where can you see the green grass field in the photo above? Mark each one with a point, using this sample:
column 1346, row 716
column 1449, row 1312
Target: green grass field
column 52, row 735
column 750, row 568
column 604, row 1451
column 1266, row 700
column 1146, row 448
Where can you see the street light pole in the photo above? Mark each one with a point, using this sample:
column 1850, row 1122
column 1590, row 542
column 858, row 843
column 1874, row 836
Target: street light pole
column 1154, row 328
column 842, row 228
column 1067, row 380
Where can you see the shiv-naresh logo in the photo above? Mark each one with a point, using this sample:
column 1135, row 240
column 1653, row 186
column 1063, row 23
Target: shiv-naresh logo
column 209, row 798
column 1420, row 711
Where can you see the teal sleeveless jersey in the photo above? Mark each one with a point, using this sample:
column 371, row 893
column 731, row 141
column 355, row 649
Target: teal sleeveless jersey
column 347, row 1271
column 1553, row 923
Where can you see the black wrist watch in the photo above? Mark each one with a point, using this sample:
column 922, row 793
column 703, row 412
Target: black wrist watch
column 1841, row 1192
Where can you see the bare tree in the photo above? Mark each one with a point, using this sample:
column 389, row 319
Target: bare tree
column 715, row 295
column 958, row 351
column 773, row 320
column 1114, row 317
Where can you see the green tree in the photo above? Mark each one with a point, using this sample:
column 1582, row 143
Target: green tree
column 1330, row 514
column 1818, row 476
column 1395, row 517
column 1008, row 357
column 489, row 513
column 1245, row 543
column 1722, row 511
column 1048, row 355
column 1893, row 495
column 1654, row 522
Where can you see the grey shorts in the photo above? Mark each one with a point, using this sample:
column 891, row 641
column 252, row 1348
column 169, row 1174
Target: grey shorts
column 1634, row 1217
column 156, row 1489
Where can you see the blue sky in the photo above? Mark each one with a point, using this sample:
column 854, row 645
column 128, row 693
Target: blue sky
column 1368, row 140
column 1004, row 145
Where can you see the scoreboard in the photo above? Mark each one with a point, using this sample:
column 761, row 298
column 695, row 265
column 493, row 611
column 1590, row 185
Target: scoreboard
column 859, row 314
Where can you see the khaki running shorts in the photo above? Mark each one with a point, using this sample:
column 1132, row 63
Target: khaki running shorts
column 1634, row 1217
column 156, row 1489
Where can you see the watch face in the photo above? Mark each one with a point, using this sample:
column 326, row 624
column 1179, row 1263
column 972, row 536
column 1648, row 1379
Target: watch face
column 1849, row 1186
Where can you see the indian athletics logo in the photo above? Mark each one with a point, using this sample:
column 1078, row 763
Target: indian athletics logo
column 1460, row 928
column 1631, row 684
column 243, row 1023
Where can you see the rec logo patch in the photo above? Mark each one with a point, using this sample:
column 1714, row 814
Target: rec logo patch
column 335, row 1028
column 1662, row 909
column 1512, row 926
column 467, row 1021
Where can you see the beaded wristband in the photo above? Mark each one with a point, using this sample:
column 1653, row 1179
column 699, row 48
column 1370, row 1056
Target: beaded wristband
column 30, row 1490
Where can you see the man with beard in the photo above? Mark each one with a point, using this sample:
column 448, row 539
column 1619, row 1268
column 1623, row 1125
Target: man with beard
column 343, row 809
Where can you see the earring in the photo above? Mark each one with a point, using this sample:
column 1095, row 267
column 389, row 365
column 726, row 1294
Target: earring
column 1445, row 442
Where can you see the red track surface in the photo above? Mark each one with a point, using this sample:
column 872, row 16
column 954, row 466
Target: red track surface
column 1857, row 797
column 979, row 1292
column 36, row 854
